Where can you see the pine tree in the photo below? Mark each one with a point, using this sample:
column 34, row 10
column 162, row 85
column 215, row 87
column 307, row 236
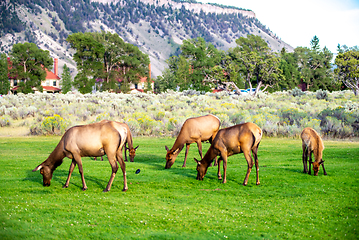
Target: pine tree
column 66, row 80
column 4, row 80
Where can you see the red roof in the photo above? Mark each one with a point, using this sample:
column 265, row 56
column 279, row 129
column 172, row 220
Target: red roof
column 51, row 75
column 51, row 88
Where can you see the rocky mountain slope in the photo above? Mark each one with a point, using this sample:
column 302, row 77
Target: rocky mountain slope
column 157, row 27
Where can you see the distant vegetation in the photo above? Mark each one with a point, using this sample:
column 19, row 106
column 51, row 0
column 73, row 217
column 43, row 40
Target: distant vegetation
column 284, row 114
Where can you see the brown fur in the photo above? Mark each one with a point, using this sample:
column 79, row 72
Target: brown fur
column 130, row 148
column 312, row 143
column 194, row 130
column 241, row 138
column 92, row 140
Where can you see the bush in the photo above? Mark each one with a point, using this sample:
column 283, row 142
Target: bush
column 5, row 121
column 296, row 92
column 54, row 125
column 322, row 94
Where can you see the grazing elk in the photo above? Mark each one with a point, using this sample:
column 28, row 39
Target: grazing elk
column 131, row 150
column 194, row 130
column 312, row 143
column 241, row 138
column 92, row 140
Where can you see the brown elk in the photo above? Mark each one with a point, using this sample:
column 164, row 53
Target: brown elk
column 241, row 138
column 194, row 130
column 312, row 143
column 131, row 150
column 92, row 140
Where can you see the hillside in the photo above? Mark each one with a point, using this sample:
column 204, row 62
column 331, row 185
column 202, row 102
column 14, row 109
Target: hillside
column 157, row 27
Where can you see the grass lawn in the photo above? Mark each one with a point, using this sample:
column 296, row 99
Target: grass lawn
column 172, row 204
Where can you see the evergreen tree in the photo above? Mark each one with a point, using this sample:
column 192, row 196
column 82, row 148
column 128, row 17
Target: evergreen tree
column 291, row 74
column 4, row 79
column 315, row 66
column 66, row 80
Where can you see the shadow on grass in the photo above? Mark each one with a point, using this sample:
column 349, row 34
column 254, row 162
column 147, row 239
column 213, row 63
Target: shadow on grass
column 60, row 177
column 158, row 164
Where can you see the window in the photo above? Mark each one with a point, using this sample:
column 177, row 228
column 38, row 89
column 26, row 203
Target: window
column 54, row 83
column 15, row 82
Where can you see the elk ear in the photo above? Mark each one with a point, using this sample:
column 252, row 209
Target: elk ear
column 37, row 168
column 198, row 162
column 321, row 162
column 137, row 147
column 166, row 148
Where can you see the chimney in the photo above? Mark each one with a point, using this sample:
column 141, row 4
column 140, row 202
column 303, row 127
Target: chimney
column 149, row 71
column 56, row 67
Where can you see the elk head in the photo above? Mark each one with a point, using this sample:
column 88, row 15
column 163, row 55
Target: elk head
column 201, row 170
column 316, row 166
column 132, row 152
column 46, row 172
column 171, row 157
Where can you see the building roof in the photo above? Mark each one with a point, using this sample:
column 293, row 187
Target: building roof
column 51, row 76
column 51, row 88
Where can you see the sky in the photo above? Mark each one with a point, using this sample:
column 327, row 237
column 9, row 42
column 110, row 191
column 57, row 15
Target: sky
column 297, row 22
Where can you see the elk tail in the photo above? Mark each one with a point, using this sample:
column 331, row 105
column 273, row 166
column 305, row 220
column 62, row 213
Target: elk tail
column 257, row 136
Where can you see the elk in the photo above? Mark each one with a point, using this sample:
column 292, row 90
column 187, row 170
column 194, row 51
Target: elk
column 194, row 130
column 312, row 143
column 92, row 140
column 131, row 150
column 241, row 138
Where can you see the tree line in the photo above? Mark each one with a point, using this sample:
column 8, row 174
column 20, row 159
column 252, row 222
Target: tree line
column 252, row 64
column 107, row 63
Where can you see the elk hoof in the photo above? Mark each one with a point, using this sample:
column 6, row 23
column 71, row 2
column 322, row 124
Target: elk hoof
column 106, row 190
column 244, row 184
column 258, row 183
column 84, row 189
column 124, row 190
column 65, row 186
column 325, row 174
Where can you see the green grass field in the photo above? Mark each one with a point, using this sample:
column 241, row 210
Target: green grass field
column 172, row 204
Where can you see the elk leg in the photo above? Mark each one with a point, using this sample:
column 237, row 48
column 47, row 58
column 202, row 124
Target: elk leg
column 123, row 168
column 310, row 162
column 325, row 173
column 114, row 166
column 249, row 159
column 254, row 151
column 305, row 159
column 219, row 168
column 215, row 161
column 125, row 153
column 185, row 155
column 72, row 166
column 224, row 157
column 79, row 164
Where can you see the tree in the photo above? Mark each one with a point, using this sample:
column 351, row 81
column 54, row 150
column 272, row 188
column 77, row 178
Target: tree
column 4, row 79
column 66, row 80
column 202, row 57
column 28, row 65
column 315, row 66
column 133, row 65
column 288, row 65
column 258, row 64
column 107, row 58
column 89, row 59
column 348, row 69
